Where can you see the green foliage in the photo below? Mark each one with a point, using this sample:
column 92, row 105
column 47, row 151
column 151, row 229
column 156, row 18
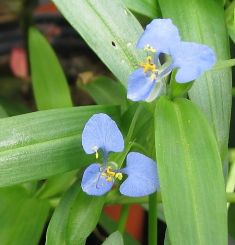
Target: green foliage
column 145, row 7
column 75, row 217
column 106, row 91
column 114, row 45
column 180, row 134
column 49, row 82
column 22, row 216
column 41, row 144
column 189, row 163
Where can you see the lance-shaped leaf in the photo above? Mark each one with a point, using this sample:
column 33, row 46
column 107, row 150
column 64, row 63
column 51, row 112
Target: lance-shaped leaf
column 41, row 144
column 191, row 179
column 202, row 21
column 75, row 217
column 110, row 30
column 49, row 82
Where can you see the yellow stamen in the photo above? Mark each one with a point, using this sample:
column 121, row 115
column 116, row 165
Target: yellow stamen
column 95, row 149
column 148, row 65
column 149, row 48
column 110, row 174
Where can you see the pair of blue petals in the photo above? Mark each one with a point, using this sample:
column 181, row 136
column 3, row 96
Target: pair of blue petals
column 102, row 134
column 191, row 59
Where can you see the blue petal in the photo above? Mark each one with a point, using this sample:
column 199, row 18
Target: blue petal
column 101, row 132
column 140, row 85
column 142, row 176
column 192, row 59
column 160, row 34
column 93, row 183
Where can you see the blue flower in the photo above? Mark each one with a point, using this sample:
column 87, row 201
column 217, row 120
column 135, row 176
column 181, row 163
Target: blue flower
column 162, row 37
column 101, row 134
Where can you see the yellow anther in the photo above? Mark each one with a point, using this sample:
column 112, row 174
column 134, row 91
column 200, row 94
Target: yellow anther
column 109, row 179
column 149, row 48
column 148, row 65
column 119, row 176
column 110, row 174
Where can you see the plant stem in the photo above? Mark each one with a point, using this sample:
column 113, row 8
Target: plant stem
column 152, row 220
column 123, row 218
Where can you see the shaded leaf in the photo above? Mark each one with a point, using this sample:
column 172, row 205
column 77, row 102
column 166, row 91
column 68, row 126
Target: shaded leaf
column 49, row 83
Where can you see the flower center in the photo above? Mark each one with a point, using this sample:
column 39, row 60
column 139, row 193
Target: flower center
column 110, row 174
column 148, row 65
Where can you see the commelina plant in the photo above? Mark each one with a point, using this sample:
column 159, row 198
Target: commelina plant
column 145, row 83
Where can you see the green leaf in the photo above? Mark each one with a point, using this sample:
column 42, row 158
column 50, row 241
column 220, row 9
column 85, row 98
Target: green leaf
column 83, row 217
column 202, row 21
column 49, row 82
column 110, row 226
column 57, row 184
column 109, row 29
column 22, row 217
column 190, row 174
column 58, row 223
column 230, row 20
column 167, row 238
column 41, row 144
column 145, row 7
column 105, row 91
column 51, row 91
column 75, row 217
column 114, row 239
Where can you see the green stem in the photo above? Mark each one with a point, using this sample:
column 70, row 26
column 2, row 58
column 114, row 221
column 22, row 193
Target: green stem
column 123, row 218
column 152, row 220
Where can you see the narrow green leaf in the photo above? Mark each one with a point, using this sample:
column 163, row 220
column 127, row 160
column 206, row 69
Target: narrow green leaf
column 190, row 174
column 41, row 144
column 110, row 226
column 58, row 223
column 109, row 29
column 105, row 91
column 49, row 82
column 202, row 21
column 22, row 217
column 114, row 239
column 83, row 217
column 145, row 7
